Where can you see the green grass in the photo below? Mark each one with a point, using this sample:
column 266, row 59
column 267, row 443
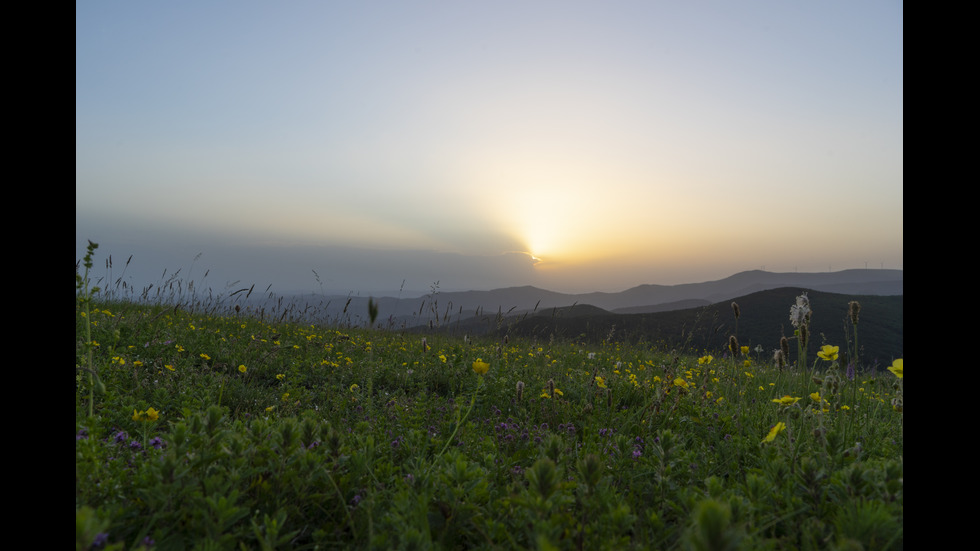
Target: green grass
column 284, row 435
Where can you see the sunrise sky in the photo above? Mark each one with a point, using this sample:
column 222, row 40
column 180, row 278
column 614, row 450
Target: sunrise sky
column 576, row 146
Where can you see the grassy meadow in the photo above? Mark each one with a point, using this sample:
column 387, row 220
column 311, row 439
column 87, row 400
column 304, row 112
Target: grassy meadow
column 204, row 425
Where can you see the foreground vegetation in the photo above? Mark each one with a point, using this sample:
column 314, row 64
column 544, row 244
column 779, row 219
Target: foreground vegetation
column 221, row 430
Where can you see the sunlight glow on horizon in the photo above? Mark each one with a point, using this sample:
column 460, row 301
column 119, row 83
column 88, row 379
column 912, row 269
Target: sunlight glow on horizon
column 567, row 143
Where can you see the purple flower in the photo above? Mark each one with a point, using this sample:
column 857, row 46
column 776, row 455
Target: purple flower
column 134, row 444
column 637, row 453
column 355, row 500
column 101, row 539
column 157, row 443
column 121, row 437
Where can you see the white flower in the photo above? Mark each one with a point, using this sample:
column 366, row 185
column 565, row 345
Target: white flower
column 799, row 312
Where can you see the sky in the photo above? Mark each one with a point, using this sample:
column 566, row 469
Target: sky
column 372, row 147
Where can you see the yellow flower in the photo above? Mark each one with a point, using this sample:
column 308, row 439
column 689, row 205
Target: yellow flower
column 480, row 367
column 828, row 352
column 242, row 368
column 703, row 360
column 680, row 382
column 815, row 396
column 170, row 367
column 205, row 356
column 442, row 357
column 280, row 376
column 776, row 429
column 745, row 350
column 148, row 415
column 600, row 382
column 896, row 368
column 354, row 387
column 786, row 400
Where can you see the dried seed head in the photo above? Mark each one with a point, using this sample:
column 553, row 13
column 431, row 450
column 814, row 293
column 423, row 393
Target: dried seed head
column 780, row 359
column 784, row 347
column 736, row 310
column 609, row 398
column 733, row 345
column 425, row 345
column 551, row 387
column 520, row 390
column 804, row 335
column 853, row 309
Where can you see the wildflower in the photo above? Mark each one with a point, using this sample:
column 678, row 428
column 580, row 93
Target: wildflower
column 170, row 367
column 745, row 350
column 280, row 376
column 681, row 383
column 354, row 387
column 480, row 367
column 786, row 400
column 828, row 352
column 442, row 357
column 705, row 360
column 799, row 313
column 600, row 382
column 896, row 368
column 776, row 429
column 148, row 415
column 242, row 368
column 205, row 357
column 733, row 345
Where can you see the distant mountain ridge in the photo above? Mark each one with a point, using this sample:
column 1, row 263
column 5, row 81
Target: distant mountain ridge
column 439, row 307
column 763, row 321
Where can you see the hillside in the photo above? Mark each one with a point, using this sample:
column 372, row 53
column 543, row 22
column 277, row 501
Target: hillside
column 441, row 308
column 764, row 320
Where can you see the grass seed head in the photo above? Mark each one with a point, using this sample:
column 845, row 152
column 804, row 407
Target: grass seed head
column 853, row 309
